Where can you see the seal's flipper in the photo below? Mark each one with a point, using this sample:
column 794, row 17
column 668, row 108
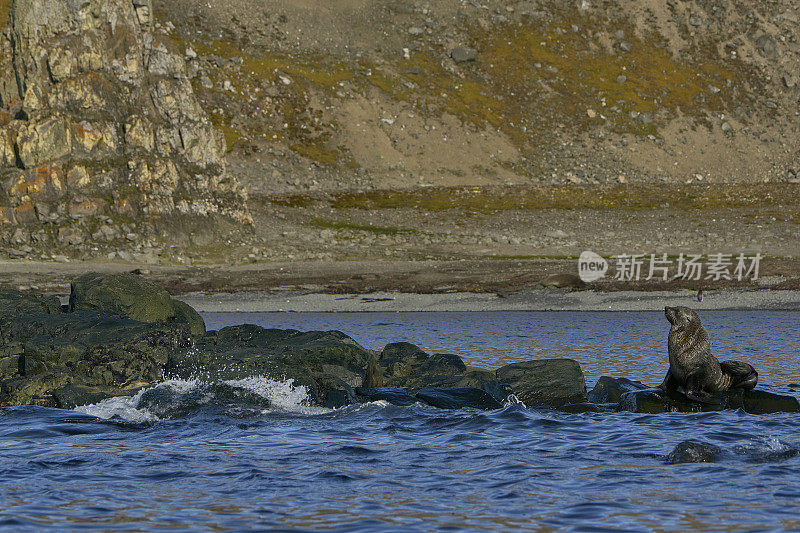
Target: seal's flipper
column 741, row 375
column 702, row 397
column 669, row 383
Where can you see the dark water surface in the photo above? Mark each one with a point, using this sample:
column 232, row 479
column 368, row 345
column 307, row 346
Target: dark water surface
column 380, row 467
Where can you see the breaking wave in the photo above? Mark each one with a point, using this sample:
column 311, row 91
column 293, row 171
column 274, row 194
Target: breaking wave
column 176, row 398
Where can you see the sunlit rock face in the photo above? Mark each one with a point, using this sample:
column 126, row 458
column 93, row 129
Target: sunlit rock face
column 99, row 123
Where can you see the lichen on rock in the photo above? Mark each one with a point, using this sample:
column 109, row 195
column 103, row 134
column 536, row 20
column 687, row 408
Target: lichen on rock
column 98, row 120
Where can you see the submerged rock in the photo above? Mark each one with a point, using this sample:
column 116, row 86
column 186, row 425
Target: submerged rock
column 690, row 451
column 392, row 395
column 166, row 402
column 550, row 382
column 458, row 398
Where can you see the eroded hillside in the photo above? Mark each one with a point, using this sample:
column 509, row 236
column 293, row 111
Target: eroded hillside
column 402, row 94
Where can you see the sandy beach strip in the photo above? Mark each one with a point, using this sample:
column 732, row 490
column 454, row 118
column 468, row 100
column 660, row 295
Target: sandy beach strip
column 532, row 300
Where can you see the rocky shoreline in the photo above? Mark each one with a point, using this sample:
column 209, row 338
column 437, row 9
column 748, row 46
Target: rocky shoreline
column 120, row 334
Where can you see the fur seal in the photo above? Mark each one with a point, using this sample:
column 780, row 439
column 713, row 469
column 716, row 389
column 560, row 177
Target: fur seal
column 692, row 368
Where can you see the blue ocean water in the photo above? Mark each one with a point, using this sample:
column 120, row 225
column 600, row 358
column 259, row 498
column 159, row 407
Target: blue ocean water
column 377, row 467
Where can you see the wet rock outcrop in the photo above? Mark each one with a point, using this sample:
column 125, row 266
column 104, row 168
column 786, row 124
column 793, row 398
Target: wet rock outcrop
column 99, row 126
column 121, row 333
column 627, row 395
column 60, row 359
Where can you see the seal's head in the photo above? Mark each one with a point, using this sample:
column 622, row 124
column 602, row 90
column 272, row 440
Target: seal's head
column 680, row 316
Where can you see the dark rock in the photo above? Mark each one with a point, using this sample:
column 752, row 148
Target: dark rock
column 690, row 451
column 186, row 314
column 445, row 363
column 373, row 377
column 71, row 396
column 392, row 395
column 608, row 389
column 463, row 54
column 759, row 402
column 442, row 371
column 658, row 401
column 401, row 358
column 333, row 392
column 550, row 382
column 14, row 303
column 125, row 294
column 115, row 354
column 486, row 381
column 561, row 281
column 755, row 402
column 458, row 398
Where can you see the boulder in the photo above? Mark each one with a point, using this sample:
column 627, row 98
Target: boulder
column 658, row 401
column 609, row 390
column 760, row 402
column 401, row 359
column 70, row 396
column 463, row 54
column 373, row 376
column 458, row 398
column 551, row 382
column 124, row 294
column 132, row 296
column 186, row 314
column 417, row 370
column 15, row 303
column 690, row 451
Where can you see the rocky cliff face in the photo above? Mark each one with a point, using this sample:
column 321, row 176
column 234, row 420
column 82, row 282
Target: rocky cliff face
column 99, row 127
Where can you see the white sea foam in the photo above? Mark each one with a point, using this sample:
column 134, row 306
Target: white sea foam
column 283, row 396
column 120, row 407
